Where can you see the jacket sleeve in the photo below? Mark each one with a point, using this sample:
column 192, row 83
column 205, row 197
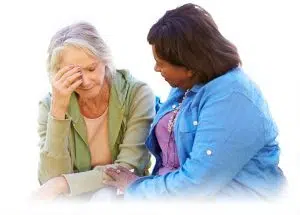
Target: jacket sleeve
column 133, row 152
column 229, row 133
column 54, row 153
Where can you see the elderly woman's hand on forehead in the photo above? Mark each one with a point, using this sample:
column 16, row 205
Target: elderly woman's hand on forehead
column 121, row 176
column 64, row 82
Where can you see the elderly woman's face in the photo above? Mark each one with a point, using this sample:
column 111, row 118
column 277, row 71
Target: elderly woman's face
column 93, row 71
column 176, row 76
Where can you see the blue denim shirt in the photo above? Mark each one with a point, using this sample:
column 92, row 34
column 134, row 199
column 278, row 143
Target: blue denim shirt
column 226, row 143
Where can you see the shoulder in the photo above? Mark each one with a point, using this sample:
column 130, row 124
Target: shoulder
column 44, row 108
column 235, row 82
column 125, row 81
column 123, row 76
column 133, row 93
column 46, row 100
column 236, row 89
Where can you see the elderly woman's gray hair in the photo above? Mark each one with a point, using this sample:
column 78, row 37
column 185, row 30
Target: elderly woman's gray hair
column 80, row 35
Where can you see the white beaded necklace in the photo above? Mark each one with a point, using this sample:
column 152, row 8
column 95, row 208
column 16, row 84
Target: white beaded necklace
column 171, row 121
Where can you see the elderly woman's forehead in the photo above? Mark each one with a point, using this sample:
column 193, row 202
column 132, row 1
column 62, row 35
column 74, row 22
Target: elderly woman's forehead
column 72, row 55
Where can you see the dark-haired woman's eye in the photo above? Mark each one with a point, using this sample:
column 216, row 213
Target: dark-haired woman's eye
column 159, row 64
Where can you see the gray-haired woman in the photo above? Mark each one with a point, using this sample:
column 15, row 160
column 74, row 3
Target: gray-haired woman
column 95, row 116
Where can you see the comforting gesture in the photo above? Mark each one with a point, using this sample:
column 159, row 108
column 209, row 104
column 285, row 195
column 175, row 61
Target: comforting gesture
column 121, row 176
column 214, row 137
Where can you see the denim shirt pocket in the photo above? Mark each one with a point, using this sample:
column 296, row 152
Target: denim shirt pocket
column 188, row 121
column 186, row 132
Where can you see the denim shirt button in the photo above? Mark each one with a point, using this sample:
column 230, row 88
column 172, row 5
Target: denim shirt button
column 208, row 152
column 195, row 123
column 173, row 106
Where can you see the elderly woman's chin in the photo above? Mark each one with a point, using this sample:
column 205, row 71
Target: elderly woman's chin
column 88, row 93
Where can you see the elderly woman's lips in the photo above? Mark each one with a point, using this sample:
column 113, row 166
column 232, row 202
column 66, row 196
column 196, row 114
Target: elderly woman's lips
column 85, row 88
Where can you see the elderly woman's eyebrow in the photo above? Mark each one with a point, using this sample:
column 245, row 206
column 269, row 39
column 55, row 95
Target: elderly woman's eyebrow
column 94, row 64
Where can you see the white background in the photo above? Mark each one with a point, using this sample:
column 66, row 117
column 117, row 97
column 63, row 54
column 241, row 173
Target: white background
column 265, row 32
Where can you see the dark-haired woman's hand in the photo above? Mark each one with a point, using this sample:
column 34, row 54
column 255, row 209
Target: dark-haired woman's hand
column 121, row 176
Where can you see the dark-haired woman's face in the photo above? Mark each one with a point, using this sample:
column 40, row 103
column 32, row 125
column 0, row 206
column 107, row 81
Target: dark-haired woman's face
column 176, row 76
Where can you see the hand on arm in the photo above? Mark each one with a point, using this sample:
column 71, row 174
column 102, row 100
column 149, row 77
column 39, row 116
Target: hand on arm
column 121, row 176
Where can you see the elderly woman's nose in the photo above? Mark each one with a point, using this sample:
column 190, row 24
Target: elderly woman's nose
column 85, row 79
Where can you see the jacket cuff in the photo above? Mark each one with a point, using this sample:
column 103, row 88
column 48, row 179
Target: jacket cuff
column 57, row 134
column 84, row 182
column 89, row 181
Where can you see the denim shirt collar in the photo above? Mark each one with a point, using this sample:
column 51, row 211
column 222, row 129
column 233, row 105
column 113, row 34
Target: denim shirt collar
column 173, row 98
column 179, row 92
column 196, row 88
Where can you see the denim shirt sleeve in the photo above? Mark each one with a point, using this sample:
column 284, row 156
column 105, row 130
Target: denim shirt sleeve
column 230, row 132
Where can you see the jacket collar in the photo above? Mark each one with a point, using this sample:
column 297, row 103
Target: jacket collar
column 118, row 94
column 77, row 119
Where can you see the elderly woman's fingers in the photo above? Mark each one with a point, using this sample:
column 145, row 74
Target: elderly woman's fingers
column 62, row 71
column 75, row 85
column 69, row 73
column 72, row 78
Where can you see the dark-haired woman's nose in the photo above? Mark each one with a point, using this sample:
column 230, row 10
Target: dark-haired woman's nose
column 157, row 69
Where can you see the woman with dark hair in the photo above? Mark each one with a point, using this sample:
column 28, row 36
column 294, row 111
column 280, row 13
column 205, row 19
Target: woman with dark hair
column 214, row 137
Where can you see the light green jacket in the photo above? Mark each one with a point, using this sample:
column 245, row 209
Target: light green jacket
column 63, row 143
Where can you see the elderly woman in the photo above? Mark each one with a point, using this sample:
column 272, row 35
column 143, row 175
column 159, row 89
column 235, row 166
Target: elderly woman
column 214, row 137
column 94, row 117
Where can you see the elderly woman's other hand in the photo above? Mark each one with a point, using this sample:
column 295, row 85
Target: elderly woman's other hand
column 121, row 176
column 52, row 189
